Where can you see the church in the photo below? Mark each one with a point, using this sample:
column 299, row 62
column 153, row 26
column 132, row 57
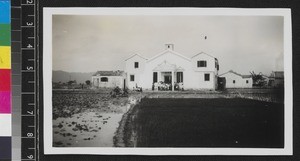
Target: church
column 170, row 70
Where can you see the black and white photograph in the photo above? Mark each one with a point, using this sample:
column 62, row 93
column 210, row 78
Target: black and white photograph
column 167, row 81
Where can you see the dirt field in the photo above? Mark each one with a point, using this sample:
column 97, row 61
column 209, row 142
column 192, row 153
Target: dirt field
column 204, row 122
column 86, row 118
column 91, row 118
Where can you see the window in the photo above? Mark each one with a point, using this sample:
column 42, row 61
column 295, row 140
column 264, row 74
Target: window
column 206, row 77
column 179, row 77
column 247, row 81
column 136, row 64
column 131, row 78
column 154, row 77
column 233, row 81
column 104, row 79
column 201, row 63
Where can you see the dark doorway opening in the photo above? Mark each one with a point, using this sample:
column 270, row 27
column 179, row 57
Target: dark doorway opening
column 168, row 79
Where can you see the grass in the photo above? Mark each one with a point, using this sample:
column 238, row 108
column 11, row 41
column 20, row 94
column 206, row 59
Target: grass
column 202, row 122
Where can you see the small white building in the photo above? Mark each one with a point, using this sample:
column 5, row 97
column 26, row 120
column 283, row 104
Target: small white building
column 170, row 67
column 236, row 80
column 108, row 79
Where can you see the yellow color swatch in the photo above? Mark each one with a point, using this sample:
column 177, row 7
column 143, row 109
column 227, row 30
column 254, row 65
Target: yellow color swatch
column 5, row 57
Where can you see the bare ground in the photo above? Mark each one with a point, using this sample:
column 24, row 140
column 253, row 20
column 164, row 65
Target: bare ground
column 86, row 119
column 118, row 114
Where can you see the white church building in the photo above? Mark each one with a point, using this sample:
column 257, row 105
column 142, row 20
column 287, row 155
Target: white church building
column 170, row 68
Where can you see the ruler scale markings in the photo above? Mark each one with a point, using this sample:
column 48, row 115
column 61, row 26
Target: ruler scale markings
column 28, row 80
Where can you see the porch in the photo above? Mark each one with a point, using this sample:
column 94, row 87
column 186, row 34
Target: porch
column 167, row 77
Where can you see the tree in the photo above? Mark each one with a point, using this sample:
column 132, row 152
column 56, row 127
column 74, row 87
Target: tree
column 71, row 82
column 88, row 82
column 258, row 79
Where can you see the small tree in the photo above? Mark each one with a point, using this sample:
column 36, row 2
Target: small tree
column 88, row 82
column 71, row 82
column 258, row 79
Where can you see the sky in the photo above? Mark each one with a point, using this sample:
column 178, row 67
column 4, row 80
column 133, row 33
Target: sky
column 85, row 43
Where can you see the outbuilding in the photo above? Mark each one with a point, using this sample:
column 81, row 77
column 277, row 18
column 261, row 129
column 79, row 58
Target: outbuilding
column 236, row 80
column 108, row 79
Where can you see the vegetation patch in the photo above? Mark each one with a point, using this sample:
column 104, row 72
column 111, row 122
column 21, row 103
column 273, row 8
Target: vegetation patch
column 203, row 122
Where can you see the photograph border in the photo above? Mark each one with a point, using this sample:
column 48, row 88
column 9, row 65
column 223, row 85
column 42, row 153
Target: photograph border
column 47, row 81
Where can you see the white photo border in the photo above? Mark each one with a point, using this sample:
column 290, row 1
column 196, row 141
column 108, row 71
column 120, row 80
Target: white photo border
column 47, row 81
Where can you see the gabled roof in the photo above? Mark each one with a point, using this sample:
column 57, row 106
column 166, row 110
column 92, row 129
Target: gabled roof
column 203, row 53
column 247, row 76
column 243, row 76
column 135, row 55
column 171, row 51
column 109, row 73
column 166, row 66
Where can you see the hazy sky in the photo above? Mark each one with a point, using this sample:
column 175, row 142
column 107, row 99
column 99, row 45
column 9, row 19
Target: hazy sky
column 241, row 43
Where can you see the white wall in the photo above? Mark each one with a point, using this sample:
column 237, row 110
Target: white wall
column 130, row 70
column 113, row 81
column 200, row 71
column 210, row 62
column 239, row 81
column 200, row 83
column 171, row 58
column 191, row 79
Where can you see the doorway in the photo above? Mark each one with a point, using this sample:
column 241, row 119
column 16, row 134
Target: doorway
column 168, row 78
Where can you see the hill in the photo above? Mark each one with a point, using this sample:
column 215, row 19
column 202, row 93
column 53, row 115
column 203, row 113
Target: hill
column 62, row 76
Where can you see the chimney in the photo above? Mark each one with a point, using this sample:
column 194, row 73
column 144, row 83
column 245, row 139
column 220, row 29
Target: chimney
column 169, row 46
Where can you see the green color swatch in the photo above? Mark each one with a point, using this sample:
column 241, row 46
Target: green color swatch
column 4, row 34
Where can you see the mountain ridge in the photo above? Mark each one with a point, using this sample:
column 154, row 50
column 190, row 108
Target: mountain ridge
column 63, row 76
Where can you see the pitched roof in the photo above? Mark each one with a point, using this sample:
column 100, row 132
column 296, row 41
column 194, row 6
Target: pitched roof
column 171, row 51
column 203, row 53
column 135, row 55
column 109, row 73
column 247, row 76
column 243, row 76
column 166, row 66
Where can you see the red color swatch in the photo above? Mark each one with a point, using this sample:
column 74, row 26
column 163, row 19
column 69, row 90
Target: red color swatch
column 5, row 80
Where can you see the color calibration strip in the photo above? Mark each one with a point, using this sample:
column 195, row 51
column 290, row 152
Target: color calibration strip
column 5, row 81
